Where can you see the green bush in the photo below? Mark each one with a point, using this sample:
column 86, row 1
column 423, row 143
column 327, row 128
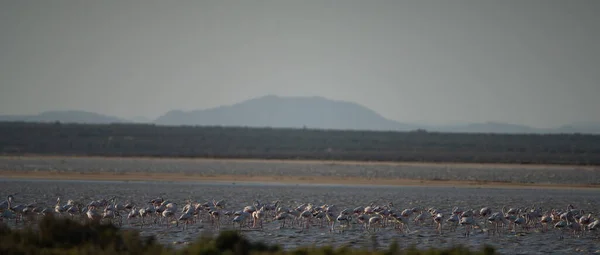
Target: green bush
column 65, row 236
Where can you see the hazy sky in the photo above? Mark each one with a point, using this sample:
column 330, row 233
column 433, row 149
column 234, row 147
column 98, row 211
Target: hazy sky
column 534, row 62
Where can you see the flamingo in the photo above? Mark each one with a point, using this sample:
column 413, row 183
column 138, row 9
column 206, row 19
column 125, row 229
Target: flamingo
column 241, row 218
column 374, row 222
column 453, row 220
column 110, row 214
column 468, row 222
column 92, row 214
column 545, row 221
column 282, row 217
column 187, row 217
column 594, row 225
column 343, row 218
column 219, row 204
column 169, row 213
column 562, row 224
column 215, row 216
column 133, row 213
column 258, row 216
column 584, row 221
column 497, row 220
column 306, row 215
column 520, row 221
column 438, row 219
column 420, row 219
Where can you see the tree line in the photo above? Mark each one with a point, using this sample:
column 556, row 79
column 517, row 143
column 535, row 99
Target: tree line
column 17, row 138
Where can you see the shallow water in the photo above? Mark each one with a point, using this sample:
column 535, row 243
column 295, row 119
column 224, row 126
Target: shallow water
column 343, row 196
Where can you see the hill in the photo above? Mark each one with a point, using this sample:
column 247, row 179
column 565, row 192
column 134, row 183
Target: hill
column 322, row 113
column 288, row 112
column 298, row 112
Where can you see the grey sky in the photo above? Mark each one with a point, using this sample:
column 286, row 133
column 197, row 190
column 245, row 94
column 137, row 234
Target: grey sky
column 534, row 62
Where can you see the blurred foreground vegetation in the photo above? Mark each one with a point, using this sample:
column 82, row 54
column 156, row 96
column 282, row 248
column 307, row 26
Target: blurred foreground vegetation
column 65, row 236
column 19, row 138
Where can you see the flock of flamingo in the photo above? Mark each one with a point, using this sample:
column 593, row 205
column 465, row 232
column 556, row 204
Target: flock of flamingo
column 372, row 218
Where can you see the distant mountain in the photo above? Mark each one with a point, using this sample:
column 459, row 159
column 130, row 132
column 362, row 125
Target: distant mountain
column 297, row 112
column 288, row 112
column 319, row 112
column 65, row 117
column 581, row 127
column 495, row 127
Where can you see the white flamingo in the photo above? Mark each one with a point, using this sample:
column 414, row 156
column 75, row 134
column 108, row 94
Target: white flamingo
column 187, row 217
column 258, row 216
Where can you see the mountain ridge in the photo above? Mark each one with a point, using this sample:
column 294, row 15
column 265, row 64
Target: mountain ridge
column 287, row 112
column 297, row 112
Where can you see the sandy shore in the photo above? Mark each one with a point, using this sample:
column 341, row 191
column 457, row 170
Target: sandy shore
column 109, row 176
column 165, row 174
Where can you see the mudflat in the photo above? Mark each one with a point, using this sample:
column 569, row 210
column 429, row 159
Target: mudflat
column 299, row 172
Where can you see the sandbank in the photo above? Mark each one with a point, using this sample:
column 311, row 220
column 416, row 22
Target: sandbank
column 174, row 177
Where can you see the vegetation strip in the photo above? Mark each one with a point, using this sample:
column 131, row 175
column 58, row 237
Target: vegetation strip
column 315, row 162
column 19, row 138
